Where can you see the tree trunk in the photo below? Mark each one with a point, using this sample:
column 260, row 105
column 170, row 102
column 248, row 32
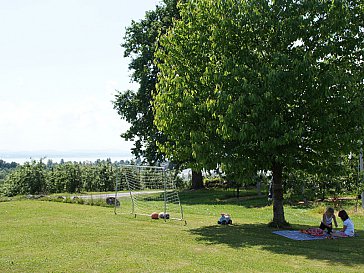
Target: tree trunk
column 197, row 181
column 304, row 195
column 278, row 212
column 259, row 184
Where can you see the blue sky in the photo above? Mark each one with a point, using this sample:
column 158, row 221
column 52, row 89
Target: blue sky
column 60, row 63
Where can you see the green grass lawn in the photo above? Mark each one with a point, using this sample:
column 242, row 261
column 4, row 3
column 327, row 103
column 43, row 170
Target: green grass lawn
column 41, row 236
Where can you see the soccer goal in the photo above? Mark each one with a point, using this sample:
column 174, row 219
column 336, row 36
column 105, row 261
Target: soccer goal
column 152, row 192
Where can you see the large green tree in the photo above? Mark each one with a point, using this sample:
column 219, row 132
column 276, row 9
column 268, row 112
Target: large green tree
column 262, row 84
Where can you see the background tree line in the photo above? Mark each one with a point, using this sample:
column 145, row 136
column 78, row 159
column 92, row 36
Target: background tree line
column 5, row 169
column 37, row 177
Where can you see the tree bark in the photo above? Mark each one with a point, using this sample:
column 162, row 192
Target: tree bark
column 278, row 212
column 197, row 181
column 259, row 184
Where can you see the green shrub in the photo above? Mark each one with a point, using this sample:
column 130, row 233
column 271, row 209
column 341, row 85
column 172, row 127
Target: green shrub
column 216, row 183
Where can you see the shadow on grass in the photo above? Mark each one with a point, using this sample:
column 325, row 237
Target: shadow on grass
column 348, row 251
column 247, row 199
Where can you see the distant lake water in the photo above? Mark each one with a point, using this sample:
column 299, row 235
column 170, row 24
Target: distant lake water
column 56, row 158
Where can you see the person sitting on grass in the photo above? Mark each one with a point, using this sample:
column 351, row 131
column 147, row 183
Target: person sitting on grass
column 348, row 226
column 327, row 219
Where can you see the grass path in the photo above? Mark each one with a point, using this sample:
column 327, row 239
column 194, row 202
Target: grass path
column 40, row 236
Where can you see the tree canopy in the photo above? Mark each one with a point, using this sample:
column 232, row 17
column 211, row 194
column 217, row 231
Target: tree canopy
column 262, row 84
column 135, row 107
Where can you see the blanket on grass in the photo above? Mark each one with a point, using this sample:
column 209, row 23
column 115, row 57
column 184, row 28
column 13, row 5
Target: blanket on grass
column 299, row 235
column 307, row 234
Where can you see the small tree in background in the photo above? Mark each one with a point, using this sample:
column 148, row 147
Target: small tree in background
column 135, row 107
column 140, row 43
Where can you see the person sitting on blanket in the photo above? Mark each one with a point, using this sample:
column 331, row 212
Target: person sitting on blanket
column 348, row 226
column 327, row 219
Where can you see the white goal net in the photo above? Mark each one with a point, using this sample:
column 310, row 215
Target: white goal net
column 152, row 192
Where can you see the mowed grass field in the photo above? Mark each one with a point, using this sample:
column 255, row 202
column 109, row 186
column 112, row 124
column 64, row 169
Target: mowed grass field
column 43, row 236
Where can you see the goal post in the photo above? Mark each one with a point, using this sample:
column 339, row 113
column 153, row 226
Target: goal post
column 152, row 190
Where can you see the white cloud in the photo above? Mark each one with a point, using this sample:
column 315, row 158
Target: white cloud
column 91, row 124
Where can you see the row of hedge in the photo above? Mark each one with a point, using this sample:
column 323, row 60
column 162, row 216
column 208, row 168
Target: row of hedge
column 35, row 177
